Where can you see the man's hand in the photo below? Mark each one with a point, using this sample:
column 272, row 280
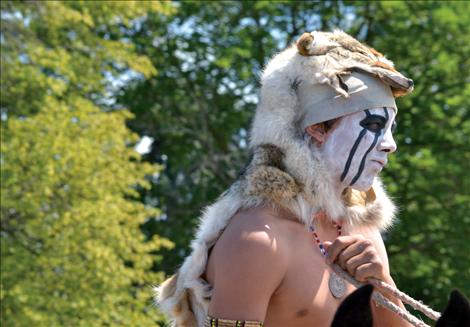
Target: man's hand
column 364, row 256
column 358, row 256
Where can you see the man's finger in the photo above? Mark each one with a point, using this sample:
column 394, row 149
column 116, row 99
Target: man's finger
column 351, row 251
column 352, row 263
column 341, row 243
column 365, row 271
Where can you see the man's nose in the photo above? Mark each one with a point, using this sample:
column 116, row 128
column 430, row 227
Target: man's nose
column 388, row 143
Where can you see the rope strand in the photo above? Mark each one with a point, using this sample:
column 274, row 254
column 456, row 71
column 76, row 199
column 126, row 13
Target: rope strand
column 430, row 313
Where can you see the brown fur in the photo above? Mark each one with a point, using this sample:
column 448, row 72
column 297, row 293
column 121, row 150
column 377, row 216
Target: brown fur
column 265, row 176
column 384, row 65
column 304, row 43
column 182, row 309
column 375, row 52
column 268, row 154
column 351, row 44
column 354, row 197
column 271, row 183
column 399, row 92
column 169, row 287
column 184, row 312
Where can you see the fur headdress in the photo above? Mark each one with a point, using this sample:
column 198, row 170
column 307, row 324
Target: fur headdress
column 286, row 170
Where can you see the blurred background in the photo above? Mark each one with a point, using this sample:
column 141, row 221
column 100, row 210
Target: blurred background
column 121, row 120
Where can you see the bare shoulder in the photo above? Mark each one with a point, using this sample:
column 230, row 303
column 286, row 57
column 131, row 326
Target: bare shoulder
column 370, row 232
column 253, row 237
column 247, row 264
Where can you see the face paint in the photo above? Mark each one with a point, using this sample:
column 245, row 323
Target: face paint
column 356, row 148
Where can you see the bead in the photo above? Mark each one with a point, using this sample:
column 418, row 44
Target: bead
column 315, row 235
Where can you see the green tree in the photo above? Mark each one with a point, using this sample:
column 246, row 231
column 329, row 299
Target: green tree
column 73, row 251
column 198, row 111
column 67, row 48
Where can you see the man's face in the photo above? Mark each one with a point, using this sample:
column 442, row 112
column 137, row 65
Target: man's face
column 357, row 146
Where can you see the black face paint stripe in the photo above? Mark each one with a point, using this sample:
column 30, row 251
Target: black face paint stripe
column 386, row 113
column 363, row 161
column 394, row 123
column 352, row 153
column 356, row 145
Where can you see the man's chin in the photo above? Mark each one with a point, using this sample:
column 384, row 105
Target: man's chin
column 363, row 185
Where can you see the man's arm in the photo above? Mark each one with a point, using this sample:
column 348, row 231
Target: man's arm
column 250, row 263
column 381, row 315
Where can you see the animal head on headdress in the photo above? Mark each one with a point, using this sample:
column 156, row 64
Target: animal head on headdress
column 342, row 47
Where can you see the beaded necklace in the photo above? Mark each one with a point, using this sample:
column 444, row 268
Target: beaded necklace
column 336, row 284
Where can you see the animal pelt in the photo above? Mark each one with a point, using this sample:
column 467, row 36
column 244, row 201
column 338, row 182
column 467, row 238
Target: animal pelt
column 286, row 170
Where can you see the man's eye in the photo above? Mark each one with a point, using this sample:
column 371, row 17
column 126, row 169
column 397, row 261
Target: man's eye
column 374, row 126
column 374, row 123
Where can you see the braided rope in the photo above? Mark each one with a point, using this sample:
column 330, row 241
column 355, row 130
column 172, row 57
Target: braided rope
column 434, row 315
column 381, row 300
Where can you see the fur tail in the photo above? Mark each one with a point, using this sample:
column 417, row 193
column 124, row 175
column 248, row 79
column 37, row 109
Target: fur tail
column 175, row 306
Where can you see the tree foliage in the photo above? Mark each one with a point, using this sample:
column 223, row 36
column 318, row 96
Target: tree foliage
column 73, row 252
column 68, row 48
column 188, row 72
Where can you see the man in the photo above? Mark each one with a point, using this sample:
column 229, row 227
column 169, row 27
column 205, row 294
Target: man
column 321, row 134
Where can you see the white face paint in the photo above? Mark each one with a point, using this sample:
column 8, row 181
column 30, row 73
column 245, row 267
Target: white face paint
column 357, row 146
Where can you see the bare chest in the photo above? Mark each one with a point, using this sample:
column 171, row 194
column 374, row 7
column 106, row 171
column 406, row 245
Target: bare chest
column 304, row 297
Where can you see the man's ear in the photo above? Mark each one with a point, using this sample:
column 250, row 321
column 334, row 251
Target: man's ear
column 317, row 132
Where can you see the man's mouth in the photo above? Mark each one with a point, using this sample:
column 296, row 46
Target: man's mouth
column 381, row 162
